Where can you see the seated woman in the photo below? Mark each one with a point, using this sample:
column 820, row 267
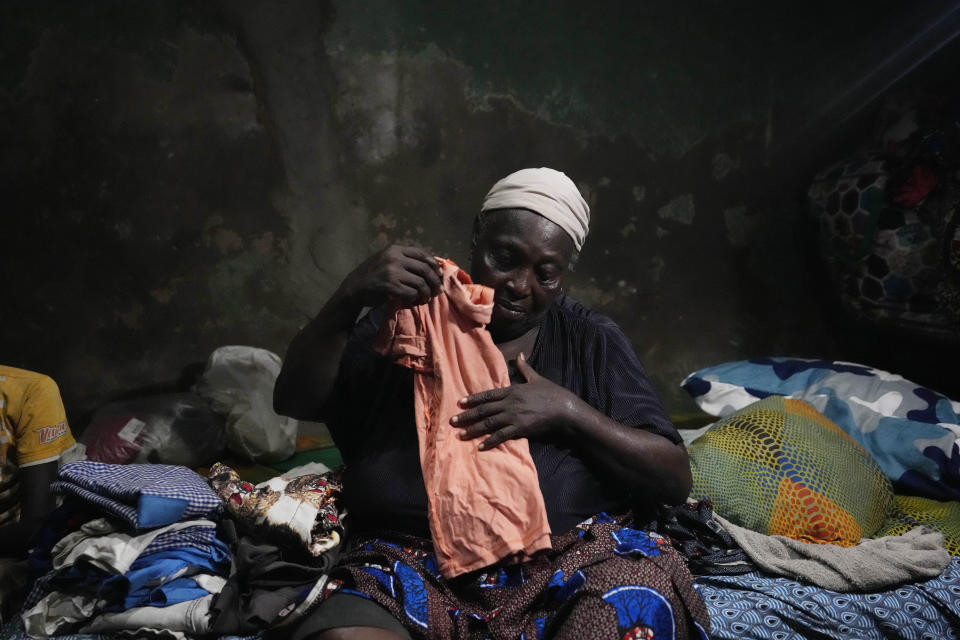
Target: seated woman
column 605, row 452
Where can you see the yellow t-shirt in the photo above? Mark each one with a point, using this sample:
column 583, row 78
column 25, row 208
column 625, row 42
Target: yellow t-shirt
column 33, row 430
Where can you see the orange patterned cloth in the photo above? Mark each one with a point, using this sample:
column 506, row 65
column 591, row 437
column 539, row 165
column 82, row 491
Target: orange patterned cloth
column 484, row 506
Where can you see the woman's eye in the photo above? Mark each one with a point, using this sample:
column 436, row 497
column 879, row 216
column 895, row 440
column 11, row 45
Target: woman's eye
column 546, row 278
column 502, row 259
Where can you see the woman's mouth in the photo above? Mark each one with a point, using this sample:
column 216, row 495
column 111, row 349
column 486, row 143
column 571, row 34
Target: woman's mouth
column 510, row 309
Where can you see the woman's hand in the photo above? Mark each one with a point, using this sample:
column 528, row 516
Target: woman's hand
column 409, row 275
column 535, row 409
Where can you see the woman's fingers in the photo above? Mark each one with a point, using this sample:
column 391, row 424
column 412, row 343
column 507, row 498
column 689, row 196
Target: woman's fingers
column 407, row 294
column 528, row 373
column 490, row 395
column 476, row 413
column 410, row 267
column 424, row 272
column 425, row 265
column 419, row 285
column 485, row 426
column 422, row 255
column 409, row 275
column 509, row 432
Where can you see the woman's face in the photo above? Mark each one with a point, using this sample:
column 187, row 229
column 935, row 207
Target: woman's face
column 522, row 256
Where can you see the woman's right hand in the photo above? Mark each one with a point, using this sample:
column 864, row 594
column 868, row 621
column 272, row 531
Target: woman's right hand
column 408, row 275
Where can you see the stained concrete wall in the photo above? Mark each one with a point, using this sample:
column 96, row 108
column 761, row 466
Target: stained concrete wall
column 180, row 175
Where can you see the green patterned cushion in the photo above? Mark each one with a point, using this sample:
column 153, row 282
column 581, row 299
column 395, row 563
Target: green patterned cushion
column 778, row 466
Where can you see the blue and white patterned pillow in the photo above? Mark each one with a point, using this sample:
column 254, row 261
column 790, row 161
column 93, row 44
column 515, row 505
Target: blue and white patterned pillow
column 912, row 432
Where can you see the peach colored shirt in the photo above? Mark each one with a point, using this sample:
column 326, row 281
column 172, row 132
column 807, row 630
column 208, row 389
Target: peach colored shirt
column 484, row 506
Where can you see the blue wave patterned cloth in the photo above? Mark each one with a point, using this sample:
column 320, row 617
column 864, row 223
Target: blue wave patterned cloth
column 911, row 431
column 771, row 608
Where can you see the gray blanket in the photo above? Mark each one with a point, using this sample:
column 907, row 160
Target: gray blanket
column 873, row 565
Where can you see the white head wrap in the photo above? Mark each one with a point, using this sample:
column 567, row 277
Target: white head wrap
column 547, row 192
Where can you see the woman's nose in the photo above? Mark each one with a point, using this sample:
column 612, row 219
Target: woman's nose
column 519, row 283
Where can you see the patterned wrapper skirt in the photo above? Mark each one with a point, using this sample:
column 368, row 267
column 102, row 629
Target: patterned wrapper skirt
column 601, row 580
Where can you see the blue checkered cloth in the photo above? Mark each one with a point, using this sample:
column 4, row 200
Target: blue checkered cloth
column 203, row 538
column 144, row 495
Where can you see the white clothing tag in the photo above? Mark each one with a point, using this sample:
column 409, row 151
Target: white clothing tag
column 131, row 430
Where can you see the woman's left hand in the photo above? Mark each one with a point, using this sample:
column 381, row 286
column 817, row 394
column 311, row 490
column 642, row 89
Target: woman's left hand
column 535, row 409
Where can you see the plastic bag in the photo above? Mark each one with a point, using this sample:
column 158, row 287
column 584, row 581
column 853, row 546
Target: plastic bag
column 178, row 428
column 238, row 382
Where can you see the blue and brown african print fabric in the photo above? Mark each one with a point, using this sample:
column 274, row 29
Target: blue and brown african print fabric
column 601, row 580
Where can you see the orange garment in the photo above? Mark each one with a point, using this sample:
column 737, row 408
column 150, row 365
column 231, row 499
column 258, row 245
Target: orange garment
column 484, row 506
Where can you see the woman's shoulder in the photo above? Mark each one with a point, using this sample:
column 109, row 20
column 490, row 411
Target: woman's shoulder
column 594, row 334
column 576, row 314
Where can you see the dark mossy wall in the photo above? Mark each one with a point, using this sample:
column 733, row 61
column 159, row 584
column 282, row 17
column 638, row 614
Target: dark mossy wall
column 181, row 175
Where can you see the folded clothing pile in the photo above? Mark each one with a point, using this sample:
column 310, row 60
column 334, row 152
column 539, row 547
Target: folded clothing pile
column 301, row 511
column 285, row 535
column 133, row 551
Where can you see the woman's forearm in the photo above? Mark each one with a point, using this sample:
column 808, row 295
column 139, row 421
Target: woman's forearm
column 653, row 468
column 312, row 359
